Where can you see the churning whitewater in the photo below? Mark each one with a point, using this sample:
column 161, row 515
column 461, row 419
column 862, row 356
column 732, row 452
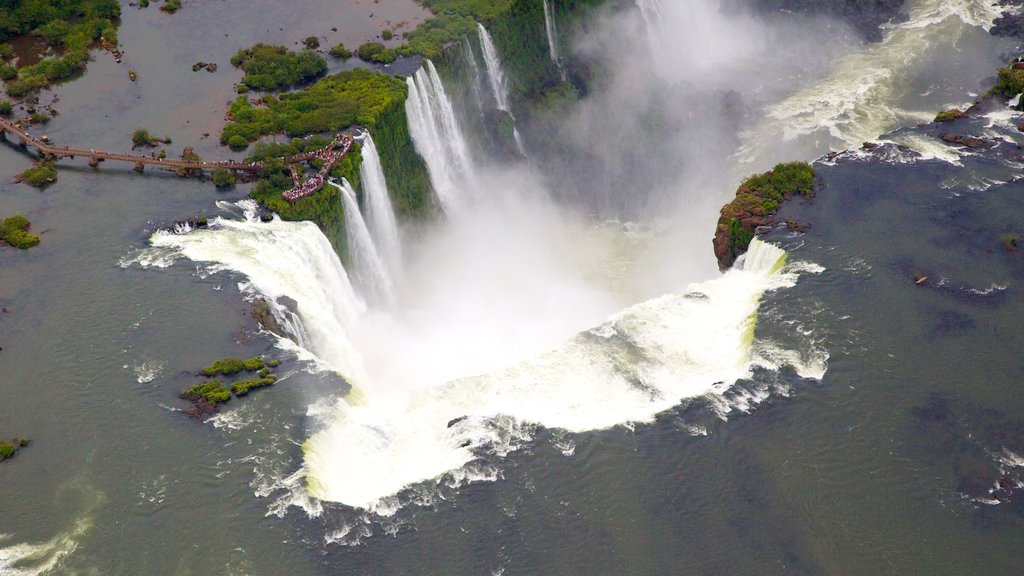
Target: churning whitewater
column 386, row 436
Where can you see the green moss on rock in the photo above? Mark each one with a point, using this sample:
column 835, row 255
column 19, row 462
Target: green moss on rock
column 40, row 175
column 243, row 387
column 14, row 231
column 757, row 200
column 270, row 67
column 211, row 391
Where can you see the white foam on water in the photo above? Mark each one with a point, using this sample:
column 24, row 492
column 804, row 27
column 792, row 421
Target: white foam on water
column 642, row 361
column 147, row 371
column 854, row 104
column 42, row 558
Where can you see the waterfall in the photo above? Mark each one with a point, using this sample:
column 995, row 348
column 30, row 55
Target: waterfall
column 495, row 74
column 437, row 137
column 370, row 272
column 496, row 77
column 650, row 10
column 474, row 69
column 292, row 259
column 380, row 215
column 552, row 30
column 635, row 365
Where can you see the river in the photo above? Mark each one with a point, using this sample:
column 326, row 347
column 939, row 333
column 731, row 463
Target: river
column 868, row 417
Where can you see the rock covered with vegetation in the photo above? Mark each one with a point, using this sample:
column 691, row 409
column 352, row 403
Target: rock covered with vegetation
column 40, row 175
column 9, row 447
column 142, row 137
column 757, row 200
column 14, row 232
column 270, row 67
column 70, row 27
column 207, row 395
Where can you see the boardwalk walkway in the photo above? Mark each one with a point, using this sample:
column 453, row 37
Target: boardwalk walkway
column 329, row 155
column 51, row 152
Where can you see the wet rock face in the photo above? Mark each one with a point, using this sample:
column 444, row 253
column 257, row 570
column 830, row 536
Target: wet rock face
column 865, row 16
column 1010, row 24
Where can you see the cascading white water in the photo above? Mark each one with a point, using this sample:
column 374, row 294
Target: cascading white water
column 496, row 78
column 642, row 361
column 474, row 70
column 650, row 10
column 495, row 73
column 552, row 31
column 380, row 214
column 859, row 100
column 369, row 269
column 292, row 259
column 437, row 137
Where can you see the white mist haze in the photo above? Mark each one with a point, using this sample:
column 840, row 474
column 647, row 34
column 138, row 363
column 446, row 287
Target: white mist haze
column 576, row 289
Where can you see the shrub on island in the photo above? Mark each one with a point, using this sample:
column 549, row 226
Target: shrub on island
column 40, row 175
column 222, row 177
column 211, row 391
column 225, row 366
column 70, row 27
column 757, row 200
column 332, row 104
column 339, row 51
column 949, row 115
column 270, row 67
column 253, row 364
column 14, row 231
column 243, row 387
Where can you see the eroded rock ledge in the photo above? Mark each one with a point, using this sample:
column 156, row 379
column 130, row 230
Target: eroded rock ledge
column 753, row 210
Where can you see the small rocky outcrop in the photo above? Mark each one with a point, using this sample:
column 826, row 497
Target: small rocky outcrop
column 968, row 141
column 753, row 210
column 865, row 16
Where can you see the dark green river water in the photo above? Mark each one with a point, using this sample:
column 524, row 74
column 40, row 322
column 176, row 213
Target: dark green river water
column 882, row 467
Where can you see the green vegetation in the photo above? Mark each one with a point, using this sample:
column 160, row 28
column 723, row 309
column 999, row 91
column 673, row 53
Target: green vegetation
column 225, row 366
column 242, row 388
column 452, row 20
column 757, row 200
column 14, row 231
column 142, row 137
column 276, row 68
column 69, row 26
column 6, row 108
column 214, row 391
column 387, row 34
column 1010, row 82
column 377, row 52
column 949, row 115
column 171, row 6
column 9, row 447
column 253, row 364
column 211, row 391
column 339, row 51
column 311, row 43
column 333, row 103
column 40, row 175
column 39, row 118
column 1010, row 241
column 222, row 178
column 273, row 363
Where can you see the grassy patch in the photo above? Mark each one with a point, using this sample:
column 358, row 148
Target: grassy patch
column 270, row 67
column 757, row 200
column 14, row 231
column 336, row 102
column 69, row 26
column 225, row 366
column 40, row 175
column 211, row 391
